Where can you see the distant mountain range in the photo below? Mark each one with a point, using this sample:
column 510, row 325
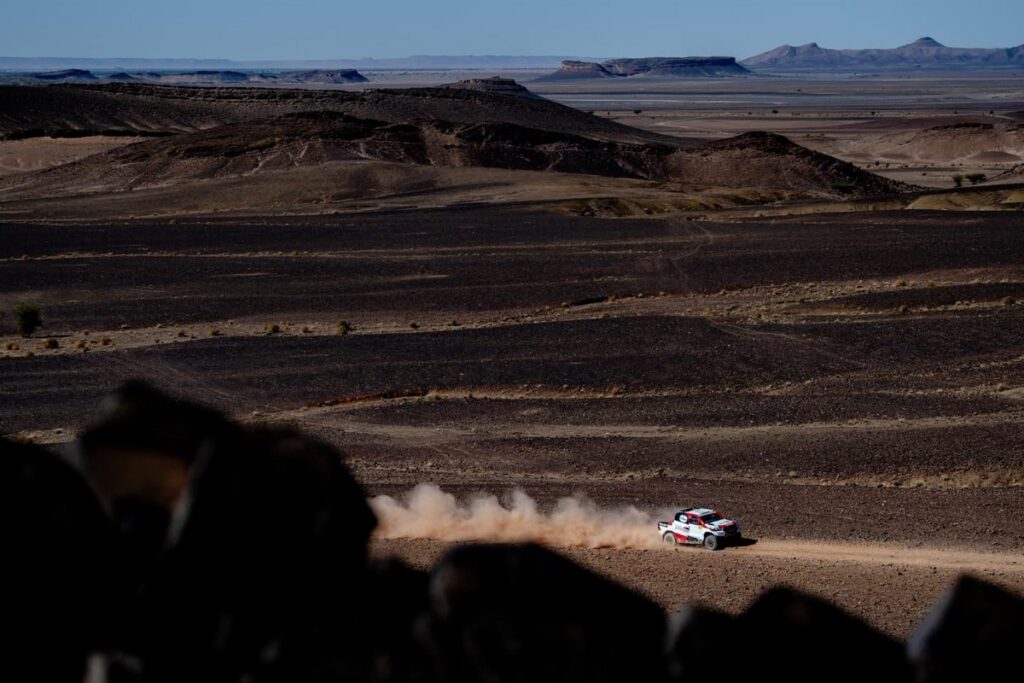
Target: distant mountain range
column 201, row 77
column 426, row 62
column 923, row 53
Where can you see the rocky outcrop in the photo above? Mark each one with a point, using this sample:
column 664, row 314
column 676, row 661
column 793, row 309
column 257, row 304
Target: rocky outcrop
column 571, row 69
column 664, row 67
column 922, row 53
column 679, row 67
column 495, row 85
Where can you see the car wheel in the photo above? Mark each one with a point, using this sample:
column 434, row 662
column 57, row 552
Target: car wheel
column 711, row 542
column 670, row 538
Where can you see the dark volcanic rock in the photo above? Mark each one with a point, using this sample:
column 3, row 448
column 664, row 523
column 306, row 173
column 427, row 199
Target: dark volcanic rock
column 524, row 613
column 376, row 637
column 229, row 539
column 787, row 635
column 56, row 571
column 973, row 633
column 696, row 638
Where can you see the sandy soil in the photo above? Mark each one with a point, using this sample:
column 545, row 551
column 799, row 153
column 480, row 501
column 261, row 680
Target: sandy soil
column 33, row 154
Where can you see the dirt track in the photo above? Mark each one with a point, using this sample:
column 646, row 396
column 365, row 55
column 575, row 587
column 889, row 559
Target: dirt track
column 889, row 586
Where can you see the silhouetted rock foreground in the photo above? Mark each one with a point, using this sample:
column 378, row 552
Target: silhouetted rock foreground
column 172, row 544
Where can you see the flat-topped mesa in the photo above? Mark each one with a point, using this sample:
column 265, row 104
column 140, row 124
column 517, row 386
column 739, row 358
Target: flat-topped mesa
column 495, row 85
column 576, row 69
column 323, row 76
column 667, row 67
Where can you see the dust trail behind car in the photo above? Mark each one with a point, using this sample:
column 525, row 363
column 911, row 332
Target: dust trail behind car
column 428, row 512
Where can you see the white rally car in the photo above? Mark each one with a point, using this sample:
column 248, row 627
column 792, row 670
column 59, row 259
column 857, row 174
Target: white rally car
column 699, row 526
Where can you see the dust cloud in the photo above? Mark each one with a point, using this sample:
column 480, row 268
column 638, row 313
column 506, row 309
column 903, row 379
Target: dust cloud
column 428, row 512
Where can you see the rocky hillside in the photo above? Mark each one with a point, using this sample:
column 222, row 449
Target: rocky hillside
column 494, row 85
column 312, row 138
column 141, row 109
column 768, row 160
column 922, row 53
column 756, row 160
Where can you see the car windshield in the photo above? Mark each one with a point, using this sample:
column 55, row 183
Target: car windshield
column 713, row 517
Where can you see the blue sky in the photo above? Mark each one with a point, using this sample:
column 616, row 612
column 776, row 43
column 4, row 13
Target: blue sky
column 322, row 29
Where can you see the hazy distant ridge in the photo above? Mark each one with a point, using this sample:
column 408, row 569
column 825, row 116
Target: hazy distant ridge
column 412, row 62
column 922, row 53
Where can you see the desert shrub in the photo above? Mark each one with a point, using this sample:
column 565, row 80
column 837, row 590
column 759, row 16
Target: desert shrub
column 975, row 178
column 272, row 329
column 344, row 327
column 958, row 180
column 28, row 318
column 51, row 343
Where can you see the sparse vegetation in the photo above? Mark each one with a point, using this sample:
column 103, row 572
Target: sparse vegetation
column 344, row 327
column 28, row 318
column 976, row 178
column 958, row 180
column 51, row 343
column 272, row 329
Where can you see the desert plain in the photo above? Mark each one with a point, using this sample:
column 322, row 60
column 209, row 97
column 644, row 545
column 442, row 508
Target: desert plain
column 837, row 362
